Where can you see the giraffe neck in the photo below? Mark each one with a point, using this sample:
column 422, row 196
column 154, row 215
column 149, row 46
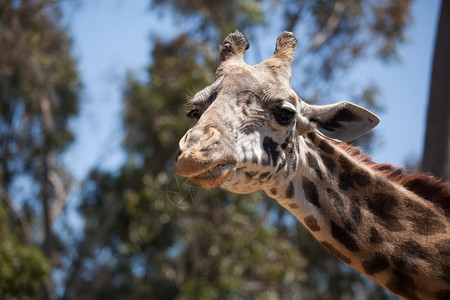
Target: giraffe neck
column 376, row 226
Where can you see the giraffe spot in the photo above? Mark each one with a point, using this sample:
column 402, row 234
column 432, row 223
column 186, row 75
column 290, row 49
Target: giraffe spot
column 251, row 175
column 405, row 264
column 355, row 210
column 344, row 237
column 378, row 263
column 403, row 285
column 313, row 164
column 328, row 163
column 338, row 203
column 337, row 200
column 443, row 247
column 290, row 190
column 361, row 177
column 336, row 253
column 352, row 175
column 349, row 226
column 445, row 271
column 326, row 147
column 311, row 223
column 375, row 237
column 381, row 206
column 293, row 205
column 311, row 135
column 270, row 147
column 263, row 175
column 310, row 191
column 442, row 295
column 424, row 220
column 346, row 181
column 273, row 191
column 413, row 249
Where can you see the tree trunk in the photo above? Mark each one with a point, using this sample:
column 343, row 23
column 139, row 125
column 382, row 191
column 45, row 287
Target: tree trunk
column 436, row 153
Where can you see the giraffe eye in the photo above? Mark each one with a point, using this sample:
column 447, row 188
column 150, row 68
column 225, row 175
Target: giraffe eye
column 283, row 115
column 194, row 114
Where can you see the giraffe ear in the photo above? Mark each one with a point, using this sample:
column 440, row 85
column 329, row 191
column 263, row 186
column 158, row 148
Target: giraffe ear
column 343, row 121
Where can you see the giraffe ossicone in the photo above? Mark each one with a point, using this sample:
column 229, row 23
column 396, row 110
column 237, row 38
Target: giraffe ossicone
column 254, row 133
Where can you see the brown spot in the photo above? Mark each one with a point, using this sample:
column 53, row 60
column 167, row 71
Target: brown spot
column 404, row 264
column 311, row 135
column 311, row 223
column 355, row 210
column 250, row 174
column 310, row 191
column 383, row 206
column 313, row 164
column 352, row 175
column 403, row 285
column 290, row 190
column 375, row 237
column 443, row 247
column 273, row 191
column 361, row 177
column 293, row 205
column 445, row 271
column 263, row 175
column 336, row 253
column 378, row 263
column 346, row 181
column 342, row 236
column 328, row 163
column 413, row 249
column 325, row 147
column 337, row 200
column 424, row 220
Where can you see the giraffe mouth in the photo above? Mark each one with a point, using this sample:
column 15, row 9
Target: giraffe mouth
column 214, row 176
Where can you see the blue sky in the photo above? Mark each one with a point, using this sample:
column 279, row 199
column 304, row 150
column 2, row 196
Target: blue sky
column 112, row 37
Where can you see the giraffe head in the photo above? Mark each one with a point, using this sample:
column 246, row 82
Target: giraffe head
column 249, row 121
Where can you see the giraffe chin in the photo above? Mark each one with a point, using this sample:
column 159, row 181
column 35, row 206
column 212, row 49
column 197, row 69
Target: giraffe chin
column 213, row 177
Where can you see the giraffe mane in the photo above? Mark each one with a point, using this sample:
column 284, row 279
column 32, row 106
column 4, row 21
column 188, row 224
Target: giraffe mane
column 422, row 184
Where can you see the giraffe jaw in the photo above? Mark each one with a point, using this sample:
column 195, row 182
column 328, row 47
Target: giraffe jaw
column 214, row 176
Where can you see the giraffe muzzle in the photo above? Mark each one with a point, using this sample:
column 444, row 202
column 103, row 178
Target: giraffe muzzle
column 203, row 159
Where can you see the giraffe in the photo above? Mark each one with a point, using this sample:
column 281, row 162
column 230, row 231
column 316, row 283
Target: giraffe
column 253, row 133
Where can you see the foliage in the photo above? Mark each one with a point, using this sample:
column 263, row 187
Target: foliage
column 22, row 268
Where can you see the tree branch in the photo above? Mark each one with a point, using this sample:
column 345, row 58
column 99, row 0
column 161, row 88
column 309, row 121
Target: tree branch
column 332, row 23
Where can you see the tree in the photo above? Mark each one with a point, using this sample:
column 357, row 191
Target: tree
column 38, row 95
column 436, row 153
